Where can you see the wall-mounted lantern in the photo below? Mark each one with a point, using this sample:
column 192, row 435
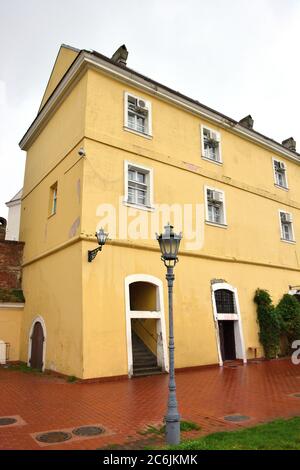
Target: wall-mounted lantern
column 101, row 238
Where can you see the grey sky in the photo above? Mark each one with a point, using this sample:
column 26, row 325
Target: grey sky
column 237, row 56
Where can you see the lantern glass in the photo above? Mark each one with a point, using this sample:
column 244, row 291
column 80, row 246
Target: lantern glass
column 101, row 236
column 169, row 243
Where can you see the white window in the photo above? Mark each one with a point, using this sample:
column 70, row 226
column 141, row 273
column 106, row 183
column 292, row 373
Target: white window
column 286, row 226
column 215, row 206
column 211, row 144
column 138, row 186
column 53, row 199
column 138, row 115
column 280, row 174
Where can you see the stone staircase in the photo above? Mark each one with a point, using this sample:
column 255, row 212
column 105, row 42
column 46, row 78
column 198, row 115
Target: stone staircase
column 144, row 361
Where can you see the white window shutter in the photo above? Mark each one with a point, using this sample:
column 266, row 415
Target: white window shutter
column 219, row 146
column 220, row 196
column 214, row 136
column 202, row 140
column 149, row 119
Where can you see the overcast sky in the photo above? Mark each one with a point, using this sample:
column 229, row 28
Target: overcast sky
column 238, row 56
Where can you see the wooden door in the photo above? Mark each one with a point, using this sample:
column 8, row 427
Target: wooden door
column 37, row 346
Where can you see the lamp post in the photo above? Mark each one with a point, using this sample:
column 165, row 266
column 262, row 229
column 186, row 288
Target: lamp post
column 169, row 244
column 101, row 238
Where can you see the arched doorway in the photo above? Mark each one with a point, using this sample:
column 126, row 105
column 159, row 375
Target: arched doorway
column 228, row 323
column 145, row 325
column 37, row 338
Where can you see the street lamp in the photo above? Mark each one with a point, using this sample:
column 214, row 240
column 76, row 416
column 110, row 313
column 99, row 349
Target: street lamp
column 101, row 238
column 169, row 244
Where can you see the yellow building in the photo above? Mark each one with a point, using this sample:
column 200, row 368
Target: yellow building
column 113, row 148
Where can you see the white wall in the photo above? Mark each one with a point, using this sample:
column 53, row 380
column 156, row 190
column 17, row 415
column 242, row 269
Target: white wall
column 13, row 222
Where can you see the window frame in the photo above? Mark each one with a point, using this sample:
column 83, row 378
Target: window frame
column 293, row 240
column 52, row 208
column 285, row 188
column 223, row 224
column 217, row 162
column 126, row 126
column 149, row 206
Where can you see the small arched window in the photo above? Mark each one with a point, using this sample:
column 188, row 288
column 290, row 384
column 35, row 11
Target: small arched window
column 225, row 301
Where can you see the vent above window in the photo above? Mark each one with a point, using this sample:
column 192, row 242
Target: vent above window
column 214, row 196
column 137, row 105
column 285, row 217
column 280, row 166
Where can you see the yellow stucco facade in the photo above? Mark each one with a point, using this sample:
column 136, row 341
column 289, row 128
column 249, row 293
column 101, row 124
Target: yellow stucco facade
column 11, row 316
column 84, row 306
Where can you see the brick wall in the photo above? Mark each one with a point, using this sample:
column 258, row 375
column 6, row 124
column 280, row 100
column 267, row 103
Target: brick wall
column 11, row 253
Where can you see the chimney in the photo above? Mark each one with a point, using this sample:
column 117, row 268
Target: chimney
column 3, row 224
column 290, row 144
column 120, row 56
column 247, row 122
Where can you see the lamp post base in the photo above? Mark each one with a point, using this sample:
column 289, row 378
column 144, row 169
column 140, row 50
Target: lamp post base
column 173, row 432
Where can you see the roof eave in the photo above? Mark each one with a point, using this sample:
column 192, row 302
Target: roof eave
column 124, row 74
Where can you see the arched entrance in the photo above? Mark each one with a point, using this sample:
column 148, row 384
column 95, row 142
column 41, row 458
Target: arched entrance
column 37, row 345
column 145, row 325
column 228, row 323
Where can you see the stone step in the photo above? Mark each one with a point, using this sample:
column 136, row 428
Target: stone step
column 144, row 364
column 142, row 353
column 146, row 367
column 144, row 361
column 147, row 371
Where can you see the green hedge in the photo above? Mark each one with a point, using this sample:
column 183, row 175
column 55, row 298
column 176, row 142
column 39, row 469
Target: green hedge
column 269, row 323
column 289, row 312
column 279, row 326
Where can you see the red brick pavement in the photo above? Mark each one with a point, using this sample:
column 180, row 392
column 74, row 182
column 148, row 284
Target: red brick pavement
column 260, row 391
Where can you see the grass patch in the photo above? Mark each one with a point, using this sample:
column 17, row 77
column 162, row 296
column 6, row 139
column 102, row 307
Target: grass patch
column 160, row 430
column 71, row 378
column 276, row 435
column 24, row 368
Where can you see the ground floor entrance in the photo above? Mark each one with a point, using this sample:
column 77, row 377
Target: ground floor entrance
column 227, row 340
column 145, row 325
column 37, row 344
column 145, row 360
column 228, row 323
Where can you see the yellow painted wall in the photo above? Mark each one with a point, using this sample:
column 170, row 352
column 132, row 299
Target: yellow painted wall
column 42, row 231
column 105, row 351
column 53, row 157
column 52, row 289
column 52, row 276
column 10, row 328
column 63, row 132
column 176, row 137
column 64, row 59
column 253, row 231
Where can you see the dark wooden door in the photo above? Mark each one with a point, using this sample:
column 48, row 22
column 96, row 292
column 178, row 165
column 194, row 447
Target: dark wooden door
column 37, row 346
column 227, row 340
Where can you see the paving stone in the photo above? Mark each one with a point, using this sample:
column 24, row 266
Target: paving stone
column 124, row 408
